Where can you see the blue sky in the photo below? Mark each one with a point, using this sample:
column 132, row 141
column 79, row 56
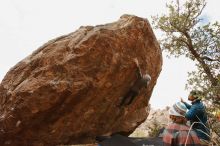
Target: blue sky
column 25, row 25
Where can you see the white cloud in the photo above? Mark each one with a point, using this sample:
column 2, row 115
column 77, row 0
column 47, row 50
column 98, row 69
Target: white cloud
column 8, row 15
column 171, row 82
column 212, row 10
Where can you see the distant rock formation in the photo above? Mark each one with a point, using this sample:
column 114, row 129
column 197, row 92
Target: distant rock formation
column 156, row 120
column 67, row 91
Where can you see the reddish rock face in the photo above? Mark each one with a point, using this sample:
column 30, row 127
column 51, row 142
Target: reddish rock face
column 67, row 91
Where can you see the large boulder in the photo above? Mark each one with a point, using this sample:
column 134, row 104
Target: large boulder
column 67, row 91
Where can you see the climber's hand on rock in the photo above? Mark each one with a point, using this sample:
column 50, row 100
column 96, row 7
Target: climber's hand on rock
column 136, row 61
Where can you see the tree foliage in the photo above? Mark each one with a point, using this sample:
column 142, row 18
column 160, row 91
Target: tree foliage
column 186, row 32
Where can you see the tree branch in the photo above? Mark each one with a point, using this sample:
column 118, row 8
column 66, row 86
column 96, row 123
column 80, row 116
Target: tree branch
column 205, row 67
column 210, row 59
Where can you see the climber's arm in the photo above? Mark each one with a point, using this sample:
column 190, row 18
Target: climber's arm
column 138, row 71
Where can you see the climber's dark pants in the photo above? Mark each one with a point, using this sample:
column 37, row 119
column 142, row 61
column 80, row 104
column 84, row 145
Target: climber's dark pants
column 129, row 97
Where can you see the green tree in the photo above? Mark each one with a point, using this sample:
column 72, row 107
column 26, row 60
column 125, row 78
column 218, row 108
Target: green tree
column 185, row 32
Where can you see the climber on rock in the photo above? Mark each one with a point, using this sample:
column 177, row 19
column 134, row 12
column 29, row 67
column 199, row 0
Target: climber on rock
column 142, row 81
